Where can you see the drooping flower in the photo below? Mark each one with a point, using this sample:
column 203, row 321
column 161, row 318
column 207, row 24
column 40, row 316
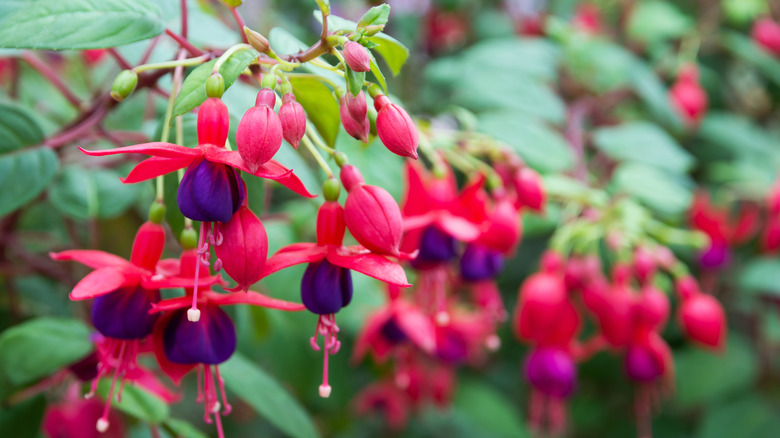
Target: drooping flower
column 293, row 119
column 356, row 56
column 259, row 135
column 395, row 128
column 244, row 247
column 553, row 377
column 395, row 325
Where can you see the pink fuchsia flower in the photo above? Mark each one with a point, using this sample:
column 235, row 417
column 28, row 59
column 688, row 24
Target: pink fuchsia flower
column 75, row 417
column 259, row 134
column 395, row 128
column 388, row 400
column 181, row 343
column 543, row 313
column 552, row 373
column 703, row 320
column 244, row 247
column 687, row 95
column 614, row 307
column 356, row 56
column 354, row 120
column 394, row 326
column 722, row 228
column 587, row 19
column 326, row 286
column 211, row 189
column 766, row 34
column 293, row 119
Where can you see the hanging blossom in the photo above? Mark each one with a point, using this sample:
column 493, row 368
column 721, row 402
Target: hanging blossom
column 124, row 293
column 326, row 286
column 181, row 344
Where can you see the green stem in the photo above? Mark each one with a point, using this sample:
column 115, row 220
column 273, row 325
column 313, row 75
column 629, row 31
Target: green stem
column 313, row 76
column 171, row 64
column 318, row 140
column 228, row 53
column 317, row 157
column 166, row 128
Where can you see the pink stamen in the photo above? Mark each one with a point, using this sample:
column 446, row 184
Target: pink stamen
column 221, row 382
column 218, row 265
column 327, row 328
column 193, row 314
column 199, row 399
column 209, row 394
column 102, row 423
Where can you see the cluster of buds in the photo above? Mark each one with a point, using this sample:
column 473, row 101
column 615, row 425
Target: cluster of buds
column 629, row 311
column 456, row 242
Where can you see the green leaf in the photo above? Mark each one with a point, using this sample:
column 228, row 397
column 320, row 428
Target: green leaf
column 137, row 402
column 23, row 419
column 376, row 16
column 355, row 81
column 267, row 397
column 645, row 143
column 653, row 21
column 743, row 12
column 655, row 95
column 761, row 275
column 320, row 104
column 17, row 129
column 37, row 348
column 183, row 429
column 193, row 90
column 377, row 72
column 87, row 193
column 489, row 410
column 657, row 188
column 284, row 42
column 324, row 5
column 744, row 47
column 704, row 377
column 23, row 176
column 599, row 64
column 737, row 134
column 499, row 90
column 80, row 24
column 538, row 144
column 748, row 417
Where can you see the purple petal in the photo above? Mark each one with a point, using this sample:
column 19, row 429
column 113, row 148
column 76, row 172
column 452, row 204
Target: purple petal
column 480, row 263
column 436, row 246
column 210, row 341
column 551, row 371
column 210, row 192
column 124, row 313
column 326, row 288
column 641, row 365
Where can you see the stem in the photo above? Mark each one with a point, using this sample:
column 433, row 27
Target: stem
column 166, row 128
column 240, row 22
column 125, row 64
column 184, row 43
column 317, row 157
column 183, row 7
column 50, row 75
column 171, row 64
column 149, row 50
column 311, row 75
column 318, row 140
column 228, row 53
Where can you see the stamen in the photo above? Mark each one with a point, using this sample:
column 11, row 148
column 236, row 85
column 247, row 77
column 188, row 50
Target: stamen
column 221, row 382
column 102, row 423
column 193, row 314
column 218, row 265
column 199, row 399
column 442, row 318
column 493, row 342
column 326, row 326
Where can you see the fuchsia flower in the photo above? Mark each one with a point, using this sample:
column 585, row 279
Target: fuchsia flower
column 398, row 323
column 259, row 134
column 353, row 117
column 356, row 56
column 766, row 34
column 244, row 247
column 701, row 315
column 75, row 417
column 326, row 286
column 293, row 119
column 723, row 230
column 211, row 190
column 687, row 95
column 395, row 128
column 182, row 343
column 124, row 293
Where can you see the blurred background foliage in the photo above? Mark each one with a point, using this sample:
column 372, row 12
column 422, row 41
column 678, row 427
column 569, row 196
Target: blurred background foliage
column 470, row 63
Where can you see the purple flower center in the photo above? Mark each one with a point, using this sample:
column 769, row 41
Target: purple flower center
column 392, row 332
column 641, row 365
column 210, row 341
column 716, row 256
column 210, row 192
column 551, row 371
column 326, row 288
column 436, row 246
column 124, row 313
column 480, row 263
column 451, row 346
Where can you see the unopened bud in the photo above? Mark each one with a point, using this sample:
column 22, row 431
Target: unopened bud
column 256, row 40
column 215, row 85
column 331, row 189
column 157, row 212
column 356, row 57
column 188, row 238
column 124, row 84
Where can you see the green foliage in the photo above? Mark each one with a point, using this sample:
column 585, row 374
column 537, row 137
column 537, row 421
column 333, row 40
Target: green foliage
column 137, row 402
column 79, row 24
column 83, row 194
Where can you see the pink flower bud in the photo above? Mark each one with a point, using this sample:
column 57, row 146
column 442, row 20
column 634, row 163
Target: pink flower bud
column 351, row 177
column 356, row 105
column 356, row 56
column 259, row 133
column 213, row 121
column 503, row 228
column 530, row 190
column 766, row 33
column 395, row 128
column 372, row 215
column 244, row 247
column 541, row 299
column 688, row 97
column 687, row 287
column 703, row 320
column 644, row 264
column 293, row 119
column 356, row 128
column 148, row 245
column 652, row 308
column 330, row 224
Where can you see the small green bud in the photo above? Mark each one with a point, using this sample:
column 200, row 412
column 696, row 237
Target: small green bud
column 257, row 40
column 189, row 238
column 124, row 84
column 341, row 158
column 215, row 85
column 374, row 90
column 331, row 189
column 285, row 88
column 269, row 81
column 232, row 3
column 157, row 212
column 373, row 30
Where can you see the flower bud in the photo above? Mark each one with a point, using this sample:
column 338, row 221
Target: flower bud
column 244, row 247
column 293, row 120
column 542, row 296
column 356, row 105
column 124, row 84
column 644, row 264
column 257, row 40
column 215, row 85
column 330, row 224
column 356, row 56
column 356, row 128
column 371, row 214
column 688, row 97
column 652, row 308
column 259, row 134
column 148, row 245
column 213, row 122
column 503, row 228
column 530, row 190
column 766, row 34
column 703, row 320
column 395, row 128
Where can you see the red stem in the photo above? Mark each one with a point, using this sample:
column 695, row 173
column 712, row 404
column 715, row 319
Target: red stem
column 43, row 69
column 183, row 42
column 183, row 6
column 575, row 134
column 120, row 59
column 240, row 22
